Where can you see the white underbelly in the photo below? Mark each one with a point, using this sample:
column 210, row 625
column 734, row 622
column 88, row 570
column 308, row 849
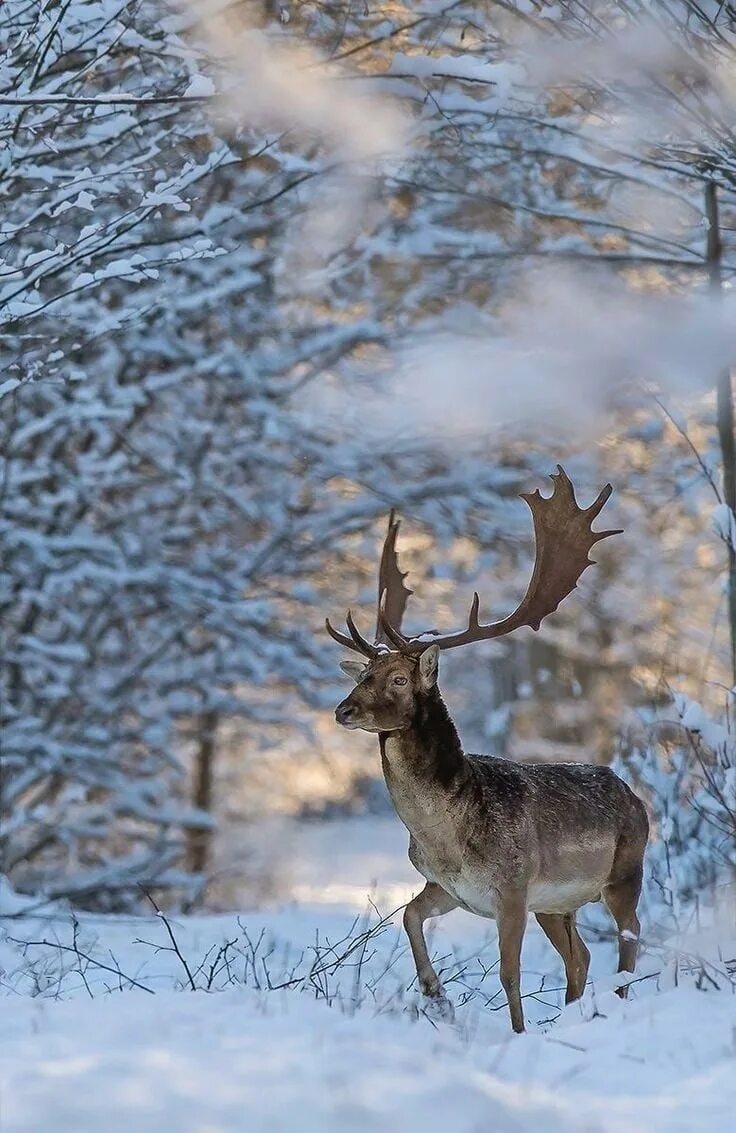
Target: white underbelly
column 562, row 896
column 554, row 897
column 469, row 888
column 473, row 894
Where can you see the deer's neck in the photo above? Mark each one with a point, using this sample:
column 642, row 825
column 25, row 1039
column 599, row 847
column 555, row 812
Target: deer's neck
column 428, row 751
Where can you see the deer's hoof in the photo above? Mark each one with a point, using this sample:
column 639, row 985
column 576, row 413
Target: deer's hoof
column 438, row 1008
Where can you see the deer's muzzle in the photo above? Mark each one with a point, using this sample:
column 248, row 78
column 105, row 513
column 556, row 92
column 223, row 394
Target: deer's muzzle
column 345, row 714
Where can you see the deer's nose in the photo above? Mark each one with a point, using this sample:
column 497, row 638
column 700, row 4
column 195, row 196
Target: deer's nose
column 345, row 712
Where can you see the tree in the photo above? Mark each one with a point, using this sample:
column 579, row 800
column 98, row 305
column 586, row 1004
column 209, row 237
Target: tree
column 204, row 419
column 169, row 504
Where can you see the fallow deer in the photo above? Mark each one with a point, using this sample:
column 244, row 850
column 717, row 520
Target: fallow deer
column 492, row 836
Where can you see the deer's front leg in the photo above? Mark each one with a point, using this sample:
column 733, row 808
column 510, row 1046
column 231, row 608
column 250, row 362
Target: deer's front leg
column 511, row 919
column 433, row 901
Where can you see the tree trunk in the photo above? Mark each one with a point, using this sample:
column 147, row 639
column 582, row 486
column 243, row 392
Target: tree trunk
column 725, row 417
column 199, row 841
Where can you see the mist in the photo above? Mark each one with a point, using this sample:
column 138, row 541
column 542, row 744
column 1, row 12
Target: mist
column 567, row 350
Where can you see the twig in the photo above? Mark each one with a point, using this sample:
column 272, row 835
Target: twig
column 172, row 938
column 77, row 952
column 75, row 943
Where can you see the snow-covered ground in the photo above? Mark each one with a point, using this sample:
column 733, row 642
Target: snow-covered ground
column 345, row 1046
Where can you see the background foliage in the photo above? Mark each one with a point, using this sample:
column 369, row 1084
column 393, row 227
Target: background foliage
column 266, row 274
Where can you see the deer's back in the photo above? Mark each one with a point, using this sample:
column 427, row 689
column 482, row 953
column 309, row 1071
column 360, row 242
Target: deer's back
column 559, row 797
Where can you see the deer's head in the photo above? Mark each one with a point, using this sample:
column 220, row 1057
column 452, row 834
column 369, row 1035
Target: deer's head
column 387, row 690
column 397, row 670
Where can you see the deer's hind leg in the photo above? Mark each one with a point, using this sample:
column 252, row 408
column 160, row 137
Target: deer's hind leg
column 621, row 898
column 561, row 931
column 433, row 901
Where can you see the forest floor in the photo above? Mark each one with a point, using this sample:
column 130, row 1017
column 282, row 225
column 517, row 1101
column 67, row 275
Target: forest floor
column 305, row 1017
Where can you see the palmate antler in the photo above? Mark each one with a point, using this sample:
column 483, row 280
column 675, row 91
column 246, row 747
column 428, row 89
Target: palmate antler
column 563, row 538
column 392, row 598
column 392, row 593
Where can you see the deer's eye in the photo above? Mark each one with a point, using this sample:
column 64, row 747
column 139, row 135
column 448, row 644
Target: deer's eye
column 399, row 680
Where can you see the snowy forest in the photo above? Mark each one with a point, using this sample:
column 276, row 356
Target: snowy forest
column 269, row 271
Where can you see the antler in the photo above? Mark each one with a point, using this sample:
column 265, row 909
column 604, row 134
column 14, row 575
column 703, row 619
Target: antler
column 392, row 598
column 563, row 540
column 356, row 641
column 392, row 593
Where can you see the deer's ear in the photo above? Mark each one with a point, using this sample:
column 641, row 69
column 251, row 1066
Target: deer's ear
column 429, row 663
column 354, row 669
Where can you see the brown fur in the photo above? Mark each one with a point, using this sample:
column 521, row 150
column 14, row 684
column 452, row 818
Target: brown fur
column 498, row 838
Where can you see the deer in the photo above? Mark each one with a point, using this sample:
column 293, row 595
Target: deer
column 498, row 838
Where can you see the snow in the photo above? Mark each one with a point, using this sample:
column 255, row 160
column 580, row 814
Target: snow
column 695, row 719
column 81, row 1050
column 201, row 86
column 233, row 1061
column 464, row 67
column 8, row 386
